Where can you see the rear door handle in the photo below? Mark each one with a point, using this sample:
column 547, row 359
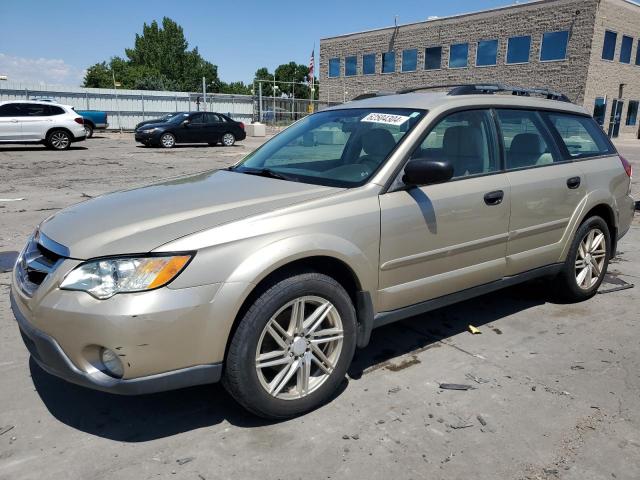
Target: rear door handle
column 494, row 198
column 573, row 182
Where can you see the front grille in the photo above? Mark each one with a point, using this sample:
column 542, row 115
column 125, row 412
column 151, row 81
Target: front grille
column 37, row 261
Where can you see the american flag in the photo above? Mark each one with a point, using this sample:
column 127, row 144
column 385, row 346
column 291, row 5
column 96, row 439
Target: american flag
column 312, row 62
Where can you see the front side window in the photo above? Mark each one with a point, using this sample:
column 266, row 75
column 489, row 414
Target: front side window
column 340, row 148
column 388, row 62
column 487, row 53
column 350, row 66
column 458, row 55
column 518, row 49
column 409, row 60
column 197, row 119
column 632, row 113
column 12, row 110
column 625, row 49
column 599, row 109
column 581, row 135
column 554, row 46
column 369, row 64
column 526, row 142
column 609, row 46
column 334, row 67
column 433, row 58
column 466, row 140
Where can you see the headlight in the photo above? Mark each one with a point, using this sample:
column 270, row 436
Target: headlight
column 150, row 130
column 105, row 277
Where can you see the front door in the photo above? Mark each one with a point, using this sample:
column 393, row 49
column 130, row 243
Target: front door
column 440, row 239
column 194, row 132
column 614, row 118
column 10, row 126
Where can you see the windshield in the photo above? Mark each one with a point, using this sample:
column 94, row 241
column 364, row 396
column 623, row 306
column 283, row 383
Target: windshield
column 341, row 148
column 176, row 117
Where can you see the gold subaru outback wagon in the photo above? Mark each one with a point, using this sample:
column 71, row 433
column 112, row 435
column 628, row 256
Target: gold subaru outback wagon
column 269, row 274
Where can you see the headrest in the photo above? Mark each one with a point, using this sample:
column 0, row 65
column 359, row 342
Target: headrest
column 378, row 142
column 527, row 143
column 462, row 141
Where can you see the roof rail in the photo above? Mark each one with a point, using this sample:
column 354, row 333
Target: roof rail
column 375, row 93
column 490, row 88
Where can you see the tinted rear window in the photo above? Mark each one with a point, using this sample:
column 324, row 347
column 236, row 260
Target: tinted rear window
column 581, row 136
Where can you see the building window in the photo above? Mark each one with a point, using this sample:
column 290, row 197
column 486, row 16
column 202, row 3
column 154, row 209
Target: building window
column 433, row 58
column 487, row 53
column 350, row 66
column 388, row 62
column 638, row 54
column 369, row 64
column 599, row 109
column 458, row 55
column 518, row 49
column 625, row 49
column 609, row 47
column 334, row 67
column 632, row 113
column 554, row 46
column 409, row 60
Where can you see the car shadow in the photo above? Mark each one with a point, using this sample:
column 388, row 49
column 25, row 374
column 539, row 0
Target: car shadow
column 148, row 417
column 8, row 260
column 35, row 148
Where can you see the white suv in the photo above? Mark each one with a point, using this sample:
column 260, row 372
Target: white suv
column 57, row 126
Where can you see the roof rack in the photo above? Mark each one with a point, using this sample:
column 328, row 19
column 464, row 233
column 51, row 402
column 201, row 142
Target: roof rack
column 375, row 93
column 491, row 88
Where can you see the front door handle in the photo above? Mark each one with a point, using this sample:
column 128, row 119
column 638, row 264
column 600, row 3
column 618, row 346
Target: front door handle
column 494, row 198
column 573, row 182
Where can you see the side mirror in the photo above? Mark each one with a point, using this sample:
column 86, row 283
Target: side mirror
column 426, row 172
column 185, row 123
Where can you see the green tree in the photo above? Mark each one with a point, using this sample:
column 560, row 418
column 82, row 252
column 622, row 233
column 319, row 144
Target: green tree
column 161, row 59
column 287, row 72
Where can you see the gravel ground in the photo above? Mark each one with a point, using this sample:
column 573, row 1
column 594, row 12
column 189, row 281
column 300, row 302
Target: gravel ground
column 556, row 387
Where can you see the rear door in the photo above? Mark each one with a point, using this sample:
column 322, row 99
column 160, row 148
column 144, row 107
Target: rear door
column 546, row 189
column 10, row 125
column 36, row 121
column 444, row 238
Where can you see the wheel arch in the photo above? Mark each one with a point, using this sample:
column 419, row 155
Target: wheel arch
column 55, row 129
column 88, row 121
column 605, row 211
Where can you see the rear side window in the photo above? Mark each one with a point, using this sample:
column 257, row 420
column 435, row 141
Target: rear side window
column 581, row 136
column 466, row 140
column 526, row 141
column 53, row 110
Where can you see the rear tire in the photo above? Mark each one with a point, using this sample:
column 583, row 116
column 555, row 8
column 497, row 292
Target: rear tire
column 309, row 359
column 228, row 139
column 586, row 263
column 58, row 140
column 88, row 130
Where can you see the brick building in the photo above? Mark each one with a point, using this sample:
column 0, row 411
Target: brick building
column 587, row 49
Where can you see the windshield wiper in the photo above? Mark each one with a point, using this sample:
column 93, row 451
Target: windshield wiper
column 263, row 172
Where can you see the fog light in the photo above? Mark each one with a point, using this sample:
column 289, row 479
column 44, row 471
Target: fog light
column 111, row 363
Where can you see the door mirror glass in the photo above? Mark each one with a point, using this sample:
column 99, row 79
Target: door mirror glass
column 185, row 123
column 427, row 172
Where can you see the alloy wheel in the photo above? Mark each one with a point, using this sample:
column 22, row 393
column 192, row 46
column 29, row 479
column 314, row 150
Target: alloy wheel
column 590, row 258
column 167, row 140
column 228, row 139
column 299, row 347
column 59, row 140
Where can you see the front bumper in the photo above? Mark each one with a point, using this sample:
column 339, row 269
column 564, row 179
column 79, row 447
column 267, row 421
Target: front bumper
column 48, row 354
column 147, row 137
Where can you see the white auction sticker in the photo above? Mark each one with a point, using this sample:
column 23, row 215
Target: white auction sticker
column 385, row 118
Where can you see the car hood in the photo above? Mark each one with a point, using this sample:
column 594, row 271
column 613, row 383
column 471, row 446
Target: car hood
column 142, row 219
column 151, row 124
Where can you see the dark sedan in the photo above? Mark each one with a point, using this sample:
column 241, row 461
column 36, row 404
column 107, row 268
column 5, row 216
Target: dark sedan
column 194, row 127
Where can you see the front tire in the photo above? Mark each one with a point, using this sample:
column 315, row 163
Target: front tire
column 228, row 139
column 58, row 140
column 167, row 140
column 292, row 347
column 587, row 261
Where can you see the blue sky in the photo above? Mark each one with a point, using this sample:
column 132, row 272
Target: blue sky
column 54, row 41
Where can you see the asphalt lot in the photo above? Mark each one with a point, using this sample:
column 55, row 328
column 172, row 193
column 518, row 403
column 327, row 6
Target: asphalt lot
column 557, row 387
